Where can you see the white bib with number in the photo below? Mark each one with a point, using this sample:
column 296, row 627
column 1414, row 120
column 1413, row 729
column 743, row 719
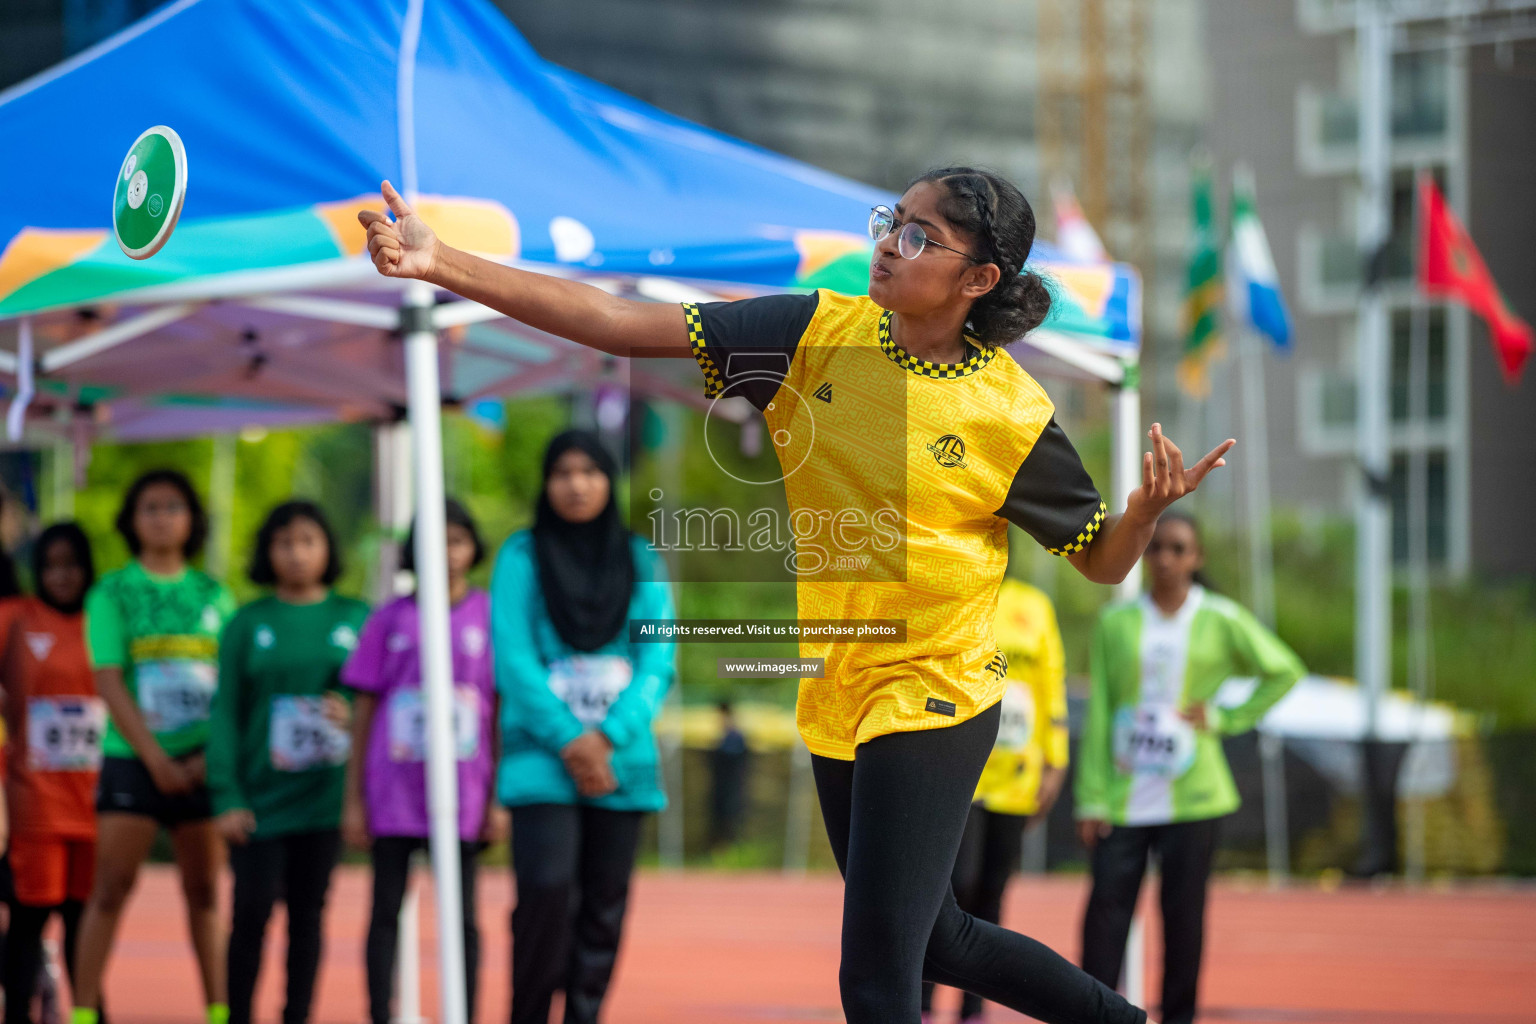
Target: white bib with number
column 174, row 694
column 1153, row 740
column 64, row 733
column 302, row 737
column 1016, row 723
column 408, row 724
column 589, row 684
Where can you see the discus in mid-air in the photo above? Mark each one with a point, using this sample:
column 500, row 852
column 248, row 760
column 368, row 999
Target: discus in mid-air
column 151, row 185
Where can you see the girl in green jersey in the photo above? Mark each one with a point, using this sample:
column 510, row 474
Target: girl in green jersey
column 1151, row 773
column 152, row 630
column 277, row 760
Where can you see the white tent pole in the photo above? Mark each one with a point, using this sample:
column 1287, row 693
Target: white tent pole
column 1125, row 477
column 408, row 962
column 1125, row 464
column 424, row 402
column 436, row 662
column 392, row 509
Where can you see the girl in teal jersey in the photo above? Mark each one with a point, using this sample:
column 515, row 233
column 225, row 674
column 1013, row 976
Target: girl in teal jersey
column 1151, row 773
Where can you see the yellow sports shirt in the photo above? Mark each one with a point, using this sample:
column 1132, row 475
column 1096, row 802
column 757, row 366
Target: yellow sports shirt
column 1033, row 731
column 901, row 477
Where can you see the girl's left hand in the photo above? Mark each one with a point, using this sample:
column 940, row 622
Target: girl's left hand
column 1164, row 480
column 1196, row 717
column 336, row 709
column 1051, row 779
column 236, row 825
column 498, row 824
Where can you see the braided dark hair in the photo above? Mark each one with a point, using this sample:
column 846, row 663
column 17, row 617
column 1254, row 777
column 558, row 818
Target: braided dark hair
column 993, row 212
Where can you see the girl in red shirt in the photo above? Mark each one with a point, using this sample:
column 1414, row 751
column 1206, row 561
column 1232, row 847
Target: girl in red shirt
column 55, row 722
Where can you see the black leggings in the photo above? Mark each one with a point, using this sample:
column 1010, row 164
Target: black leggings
column 23, row 955
column 296, row 869
column 573, row 866
column 1185, row 851
column 391, row 874
column 894, row 816
column 989, row 855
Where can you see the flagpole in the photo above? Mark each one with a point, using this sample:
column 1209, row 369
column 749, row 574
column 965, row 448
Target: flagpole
column 1373, row 566
column 1421, row 641
column 1261, row 566
column 1261, row 553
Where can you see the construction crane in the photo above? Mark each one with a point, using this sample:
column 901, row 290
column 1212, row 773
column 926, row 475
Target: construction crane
column 1094, row 117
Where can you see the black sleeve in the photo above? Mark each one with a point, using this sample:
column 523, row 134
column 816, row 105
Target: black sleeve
column 745, row 348
column 1052, row 497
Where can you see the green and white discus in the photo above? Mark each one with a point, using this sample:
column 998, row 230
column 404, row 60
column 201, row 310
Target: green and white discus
column 150, row 188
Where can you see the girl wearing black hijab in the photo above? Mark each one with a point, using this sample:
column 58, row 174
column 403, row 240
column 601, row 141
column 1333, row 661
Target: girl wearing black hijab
column 578, row 697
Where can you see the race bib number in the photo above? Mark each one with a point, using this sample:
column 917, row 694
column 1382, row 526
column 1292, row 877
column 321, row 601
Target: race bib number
column 1153, row 740
column 588, row 684
column 1016, row 723
column 303, row 738
column 408, row 724
column 175, row 694
column 64, row 733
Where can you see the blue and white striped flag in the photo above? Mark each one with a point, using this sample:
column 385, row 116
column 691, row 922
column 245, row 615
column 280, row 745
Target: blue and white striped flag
column 1253, row 287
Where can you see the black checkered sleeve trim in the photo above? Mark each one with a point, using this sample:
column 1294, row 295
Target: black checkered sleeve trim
column 1085, row 535
column 713, row 382
column 1052, row 497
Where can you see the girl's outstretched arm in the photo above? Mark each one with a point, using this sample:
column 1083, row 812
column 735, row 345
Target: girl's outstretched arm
column 406, row 247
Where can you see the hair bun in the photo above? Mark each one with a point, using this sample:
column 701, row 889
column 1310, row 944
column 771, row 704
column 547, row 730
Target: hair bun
column 993, row 211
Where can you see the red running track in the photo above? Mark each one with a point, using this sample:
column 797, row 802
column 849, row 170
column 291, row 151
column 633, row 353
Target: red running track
column 761, row 949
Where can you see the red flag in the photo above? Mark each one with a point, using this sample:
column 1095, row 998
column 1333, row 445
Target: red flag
column 1451, row 268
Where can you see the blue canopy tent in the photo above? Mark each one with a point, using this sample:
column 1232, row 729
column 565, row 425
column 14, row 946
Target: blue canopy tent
column 291, row 115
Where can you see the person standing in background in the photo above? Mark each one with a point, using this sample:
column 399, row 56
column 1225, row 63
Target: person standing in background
column 278, row 749
column 385, row 807
column 579, row 698
column 1023, row 776
column 152, row 629
column 729, row 763
column 52, row 710
column 1151, row 771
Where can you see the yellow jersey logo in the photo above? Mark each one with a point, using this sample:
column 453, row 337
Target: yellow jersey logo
column 949, row 451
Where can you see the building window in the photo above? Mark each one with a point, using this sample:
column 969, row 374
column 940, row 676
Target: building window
column 1435, row 498
column 1328, row 120
column 1402, row 355
column 1331, row 265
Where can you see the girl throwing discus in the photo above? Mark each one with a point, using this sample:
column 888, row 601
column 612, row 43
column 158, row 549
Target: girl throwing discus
column 913, row 440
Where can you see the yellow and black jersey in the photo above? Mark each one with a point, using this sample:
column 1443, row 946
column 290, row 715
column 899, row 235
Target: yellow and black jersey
column 1032, row 732
column 901, row 477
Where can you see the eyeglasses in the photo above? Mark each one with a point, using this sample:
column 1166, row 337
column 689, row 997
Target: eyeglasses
column 911, row 238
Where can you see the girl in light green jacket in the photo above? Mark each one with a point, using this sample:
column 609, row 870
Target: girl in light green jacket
column 1151, row 773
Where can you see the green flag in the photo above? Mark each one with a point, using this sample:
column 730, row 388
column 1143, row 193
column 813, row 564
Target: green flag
column 1202, row 293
